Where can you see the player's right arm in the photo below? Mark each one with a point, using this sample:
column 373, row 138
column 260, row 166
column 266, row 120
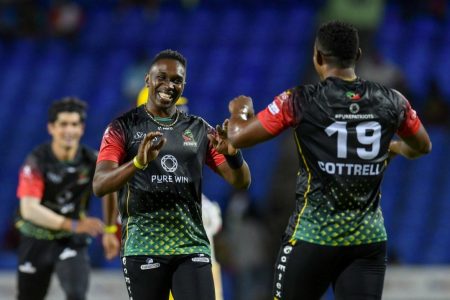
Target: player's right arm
column 30, row 192
column 415, row 141
column 110, row 174
column 246, row 129
column 110, row 241
column 32, row 211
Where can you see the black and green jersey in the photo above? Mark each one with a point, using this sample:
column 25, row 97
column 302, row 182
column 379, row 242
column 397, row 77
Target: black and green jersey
column 342, row 132
column 65, row 187
column 160, row 206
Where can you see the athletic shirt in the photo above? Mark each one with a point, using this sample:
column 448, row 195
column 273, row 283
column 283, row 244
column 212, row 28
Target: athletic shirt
column 342, row 132
column 160, row 206
column 65, row 187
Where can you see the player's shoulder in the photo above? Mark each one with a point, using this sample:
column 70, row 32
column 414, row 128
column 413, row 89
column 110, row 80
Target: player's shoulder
column 376, row 86
column 88, row 153
column 39, row 156
column 134, row 115
column 194, row 119
column 41, row 151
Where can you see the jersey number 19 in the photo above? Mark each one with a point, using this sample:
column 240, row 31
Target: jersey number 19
column 367, row 133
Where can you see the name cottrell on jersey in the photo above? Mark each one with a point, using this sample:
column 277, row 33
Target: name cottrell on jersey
column 342, row 131
column 160, row 206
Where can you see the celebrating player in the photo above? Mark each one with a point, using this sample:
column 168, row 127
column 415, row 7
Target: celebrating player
column 343, row 128
column 55, row 184
column 154, row 155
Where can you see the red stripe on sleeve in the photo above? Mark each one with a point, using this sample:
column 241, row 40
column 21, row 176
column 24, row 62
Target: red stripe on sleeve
column 411, row 122
column 278, row 115
column 113, row 144
column 31, row 183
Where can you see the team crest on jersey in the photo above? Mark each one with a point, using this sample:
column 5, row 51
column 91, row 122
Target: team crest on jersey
column 83, row 176
column 188, row 138
column 353, row 95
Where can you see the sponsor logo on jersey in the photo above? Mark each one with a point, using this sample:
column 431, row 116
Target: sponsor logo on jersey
column 354, row 108
column 201, row 258
column 281, row 269
column 69, row 207
column 27, row 171
column 169, row 163
column 150, row 265
column 284, row 96
column 139, row 135
column 273, row 108
column 64, row 197
column 67, row 253
column 71, row 170
column 54, row 178
column 27, row 267
column 188, row 138
column 161, row 128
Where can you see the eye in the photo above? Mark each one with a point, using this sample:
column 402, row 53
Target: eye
column 178, row 81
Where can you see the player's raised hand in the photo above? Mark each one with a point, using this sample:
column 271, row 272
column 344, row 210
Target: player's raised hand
column 219, row 140
column 150, row 147
column 242, row 107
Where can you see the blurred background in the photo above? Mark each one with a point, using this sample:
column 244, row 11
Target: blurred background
column 100, row 51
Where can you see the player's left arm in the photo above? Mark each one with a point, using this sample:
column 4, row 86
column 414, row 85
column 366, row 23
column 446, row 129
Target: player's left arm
column 234, row 169
column 415, row 141
column 413, row 146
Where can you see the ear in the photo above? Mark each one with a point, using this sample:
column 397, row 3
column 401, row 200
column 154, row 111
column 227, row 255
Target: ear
column 319, row 57
column 358, row 54
column 147, row 79
column 50, row 128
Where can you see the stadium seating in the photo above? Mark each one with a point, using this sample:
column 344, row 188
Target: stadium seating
column 258, row 52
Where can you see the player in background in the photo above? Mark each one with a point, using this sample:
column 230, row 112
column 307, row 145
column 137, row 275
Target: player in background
column 55, row 185
column 154, row 155
column 343, row 128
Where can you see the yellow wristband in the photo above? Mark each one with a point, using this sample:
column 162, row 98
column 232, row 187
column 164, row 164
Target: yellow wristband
column 138, row 165
column 110, row 229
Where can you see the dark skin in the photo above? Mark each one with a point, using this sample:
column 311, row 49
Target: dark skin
column 245, row 130
column 165, row 80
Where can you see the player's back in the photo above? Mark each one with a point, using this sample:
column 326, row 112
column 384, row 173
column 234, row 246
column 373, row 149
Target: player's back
column 343, row 137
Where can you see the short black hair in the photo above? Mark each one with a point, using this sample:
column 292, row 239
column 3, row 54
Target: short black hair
column 67, row 104
column 339, row 42
column 170, row 54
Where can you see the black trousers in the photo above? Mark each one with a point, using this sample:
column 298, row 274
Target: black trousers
column 305, row 271
column 153, row 277
column 38, row 259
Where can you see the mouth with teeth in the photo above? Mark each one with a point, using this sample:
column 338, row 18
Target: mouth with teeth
column 165, row 97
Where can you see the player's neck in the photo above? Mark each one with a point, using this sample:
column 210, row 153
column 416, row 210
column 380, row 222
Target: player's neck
column 347, row 74
column 161, row 112
column 64, row 154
